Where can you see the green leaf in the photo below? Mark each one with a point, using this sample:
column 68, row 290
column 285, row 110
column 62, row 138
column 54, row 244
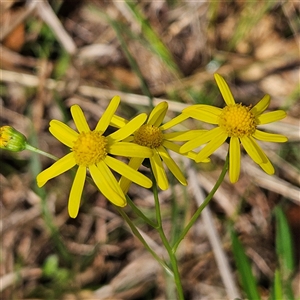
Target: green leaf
column 277, row 287
column 285, row 253
column 50, row 267
column 284, row 245
column 248, row 281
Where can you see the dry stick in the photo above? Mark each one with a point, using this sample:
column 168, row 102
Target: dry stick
column 272, row 183
column 19, row 218
column 290, row 130
column 49, row 17
column 87, row 91
column 15, row 277
column 214, row 239
column 142, row 270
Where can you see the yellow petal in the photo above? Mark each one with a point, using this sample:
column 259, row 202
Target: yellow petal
column 124, row 182
column 118, row 122
column 62, row 165
column 63, row 133
column 201, row 139
column 268, row 167
column 234, row 159
column 76, row 192
column 158, row 113
column 193, row 107
column 180, row 118
column 205, row 113
column 172, row 146
column 129, row 128
column 212, row 146
column 261, row 106
column 184, row 135
column 269, row 137
column 253, row 150
column 224, row 89
column 168, row 160
column 190, row 145
column 79, row 119
column 271, row 116
column 176, row 148
column 159, row 172
column 107, row 116
column 130, row 150
column 107, row 184
column 128, row 172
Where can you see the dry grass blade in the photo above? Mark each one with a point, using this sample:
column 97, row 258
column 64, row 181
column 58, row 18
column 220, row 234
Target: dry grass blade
column 12, row 278
column 273, row 183
column 214, row 238
column 142, row 270
column 19, row 219
column 49, row 17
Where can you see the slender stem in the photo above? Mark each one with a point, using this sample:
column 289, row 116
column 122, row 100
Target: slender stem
column 203, row 205
column 36, row 150
column 142, row 240
column 163, row 237
column 139, row 213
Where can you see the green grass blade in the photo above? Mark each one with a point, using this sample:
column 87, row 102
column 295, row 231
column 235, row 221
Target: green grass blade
column 253, row 12
column 248, row 281
column 121, row 33
column 144, row 86
column 285, row 253
column 277, row 287
column 284, row 245
column 155, row 43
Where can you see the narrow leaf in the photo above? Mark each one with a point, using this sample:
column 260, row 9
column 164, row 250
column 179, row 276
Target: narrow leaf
column 247, row 279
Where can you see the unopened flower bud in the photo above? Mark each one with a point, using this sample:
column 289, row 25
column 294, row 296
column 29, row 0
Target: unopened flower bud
column 11, row 139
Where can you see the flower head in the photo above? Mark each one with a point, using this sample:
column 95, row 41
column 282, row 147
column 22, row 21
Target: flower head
column 238, row 123
column 92, row 150
column 11, row 139
column 153, row 136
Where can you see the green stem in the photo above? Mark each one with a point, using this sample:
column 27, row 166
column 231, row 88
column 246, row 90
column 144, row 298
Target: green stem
column 203, row 205
column 36, row 150
column 142, row 240
column 171, row 254
column 139, row 213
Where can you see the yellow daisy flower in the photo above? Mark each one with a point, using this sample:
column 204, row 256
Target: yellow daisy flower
column 237, row 122
column 90, row 150
column 152, row 135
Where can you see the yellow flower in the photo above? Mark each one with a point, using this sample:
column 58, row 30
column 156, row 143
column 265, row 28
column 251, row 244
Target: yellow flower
column 239, row 123
column 92, row 150
column 11, row 139
column 152, row 135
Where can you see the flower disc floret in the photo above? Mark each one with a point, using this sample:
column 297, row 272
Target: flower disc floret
column 149, row 136
column 89, row 148
column 237, row 120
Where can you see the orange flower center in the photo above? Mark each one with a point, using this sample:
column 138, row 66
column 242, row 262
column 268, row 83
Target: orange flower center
column 237, row 120
column 149, row 136
column 89, row 148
